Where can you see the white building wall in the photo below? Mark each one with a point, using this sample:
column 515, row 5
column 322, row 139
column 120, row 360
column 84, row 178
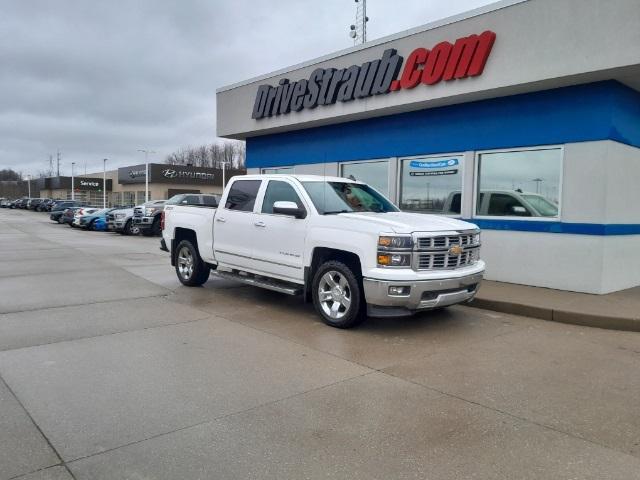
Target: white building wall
column 564, row 262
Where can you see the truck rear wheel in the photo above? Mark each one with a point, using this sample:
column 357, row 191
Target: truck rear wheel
column 190, row 268
column 337, row 295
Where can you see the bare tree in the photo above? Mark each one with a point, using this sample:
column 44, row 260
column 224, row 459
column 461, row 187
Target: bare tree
column 232, row 152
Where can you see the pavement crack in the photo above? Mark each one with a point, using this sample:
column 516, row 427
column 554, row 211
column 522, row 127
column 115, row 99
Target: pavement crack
column 222, row 417
column 53, row 449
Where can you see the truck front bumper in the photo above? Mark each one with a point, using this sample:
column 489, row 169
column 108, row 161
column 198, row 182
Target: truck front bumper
column 116, row 226
column 143, row 223
column 422, row 295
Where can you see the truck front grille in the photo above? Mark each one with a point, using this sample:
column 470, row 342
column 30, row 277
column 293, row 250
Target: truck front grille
column 138, row 212
column 111, row 218
column 446, row 251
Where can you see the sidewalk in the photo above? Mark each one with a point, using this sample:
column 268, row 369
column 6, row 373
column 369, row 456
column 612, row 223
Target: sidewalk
column 616, row 311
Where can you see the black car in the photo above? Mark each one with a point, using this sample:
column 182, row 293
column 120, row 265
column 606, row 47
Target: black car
column 60, row 205
column 36, row 202
column 67, row 215
column 46, row 205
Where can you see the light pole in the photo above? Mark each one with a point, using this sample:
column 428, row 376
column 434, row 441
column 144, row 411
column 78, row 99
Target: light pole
column 104, row 183
column 223, row 174
column 29, row 185
column 73, row 193
column 146, row 173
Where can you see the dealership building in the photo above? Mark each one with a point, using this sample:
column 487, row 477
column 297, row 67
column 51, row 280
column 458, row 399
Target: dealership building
column 126, row 185
column 522, row 116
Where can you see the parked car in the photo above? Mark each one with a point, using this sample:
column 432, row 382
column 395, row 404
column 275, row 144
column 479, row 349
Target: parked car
column 121, row 220
column 197, row 199
column 506, row 202
column 21, row 202
column 64, row 204
column 147, row 217
column 93, row 220
column 46, row 205
column 5, row 202
column 79, row 214
column 335, row 241
column 68, row 215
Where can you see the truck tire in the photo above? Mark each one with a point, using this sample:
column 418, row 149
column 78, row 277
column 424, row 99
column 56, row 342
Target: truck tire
column 155, row 227
column 337, row 295
column 190, row 268
column 130, row 228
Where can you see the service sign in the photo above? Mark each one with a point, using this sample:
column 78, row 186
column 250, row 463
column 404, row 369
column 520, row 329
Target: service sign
column 446, row 61
column 79, row 183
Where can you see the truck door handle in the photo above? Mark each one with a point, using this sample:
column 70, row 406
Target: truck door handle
column 260, row 224
column 220, row 219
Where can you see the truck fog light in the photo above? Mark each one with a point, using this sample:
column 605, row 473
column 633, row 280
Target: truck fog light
column 399, row 291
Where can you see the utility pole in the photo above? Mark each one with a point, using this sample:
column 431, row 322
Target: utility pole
column 359, row 28
column 29, row 185
column 58, row 160
column 50, row 165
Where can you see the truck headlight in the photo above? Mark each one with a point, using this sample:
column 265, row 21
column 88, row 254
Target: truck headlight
column 391, row 243
column 394, row 259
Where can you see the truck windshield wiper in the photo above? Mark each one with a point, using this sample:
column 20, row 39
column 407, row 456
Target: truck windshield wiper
column 335, row 212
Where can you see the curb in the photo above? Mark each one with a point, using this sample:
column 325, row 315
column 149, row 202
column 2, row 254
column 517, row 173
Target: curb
column 562, row 316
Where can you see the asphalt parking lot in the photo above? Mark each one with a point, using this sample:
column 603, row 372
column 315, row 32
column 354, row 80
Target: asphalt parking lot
column 112, row 370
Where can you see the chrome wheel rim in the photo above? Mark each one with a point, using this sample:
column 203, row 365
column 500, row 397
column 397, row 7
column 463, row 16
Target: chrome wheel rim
column 334, row 295
column 185, row 263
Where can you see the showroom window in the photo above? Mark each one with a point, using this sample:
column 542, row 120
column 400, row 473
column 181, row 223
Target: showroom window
column 129, row 198
column 374, row 173
column 431, row 184
column 523, row 183
column 273, row 170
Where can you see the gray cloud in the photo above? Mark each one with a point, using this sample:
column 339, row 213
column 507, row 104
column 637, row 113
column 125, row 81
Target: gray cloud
column 102, row 79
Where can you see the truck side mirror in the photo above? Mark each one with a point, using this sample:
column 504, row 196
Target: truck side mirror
column 519, row 210
column 288, row 208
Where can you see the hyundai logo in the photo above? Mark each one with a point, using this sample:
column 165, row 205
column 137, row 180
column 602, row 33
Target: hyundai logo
column 169, row 173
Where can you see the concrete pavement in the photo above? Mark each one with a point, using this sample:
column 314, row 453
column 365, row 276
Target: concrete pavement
column 109, row 369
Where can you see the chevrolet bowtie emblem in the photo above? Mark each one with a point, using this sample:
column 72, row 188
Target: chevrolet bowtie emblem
column 455, row 250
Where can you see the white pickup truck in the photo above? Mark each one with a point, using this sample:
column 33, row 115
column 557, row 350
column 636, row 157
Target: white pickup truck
column 337, row 242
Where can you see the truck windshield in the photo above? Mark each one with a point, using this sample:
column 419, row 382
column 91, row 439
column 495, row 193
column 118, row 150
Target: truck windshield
column 342, row 197
column 542, row 205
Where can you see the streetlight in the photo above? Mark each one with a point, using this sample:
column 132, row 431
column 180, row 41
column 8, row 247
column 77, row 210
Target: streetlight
column 146, row 173
column 104, row 183
column 223, row 176
column 538, row 181
column 73, row 194
column 29, row 185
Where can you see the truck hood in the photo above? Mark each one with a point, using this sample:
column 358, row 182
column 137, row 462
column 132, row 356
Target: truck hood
column 403, row 222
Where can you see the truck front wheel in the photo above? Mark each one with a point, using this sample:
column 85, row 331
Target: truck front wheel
column 190, row 268
column 337, row 295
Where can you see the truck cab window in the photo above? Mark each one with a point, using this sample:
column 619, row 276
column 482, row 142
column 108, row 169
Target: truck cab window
column 242, row 195
column 279, row 191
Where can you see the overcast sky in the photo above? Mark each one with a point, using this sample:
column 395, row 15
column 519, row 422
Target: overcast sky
column 103, row 79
